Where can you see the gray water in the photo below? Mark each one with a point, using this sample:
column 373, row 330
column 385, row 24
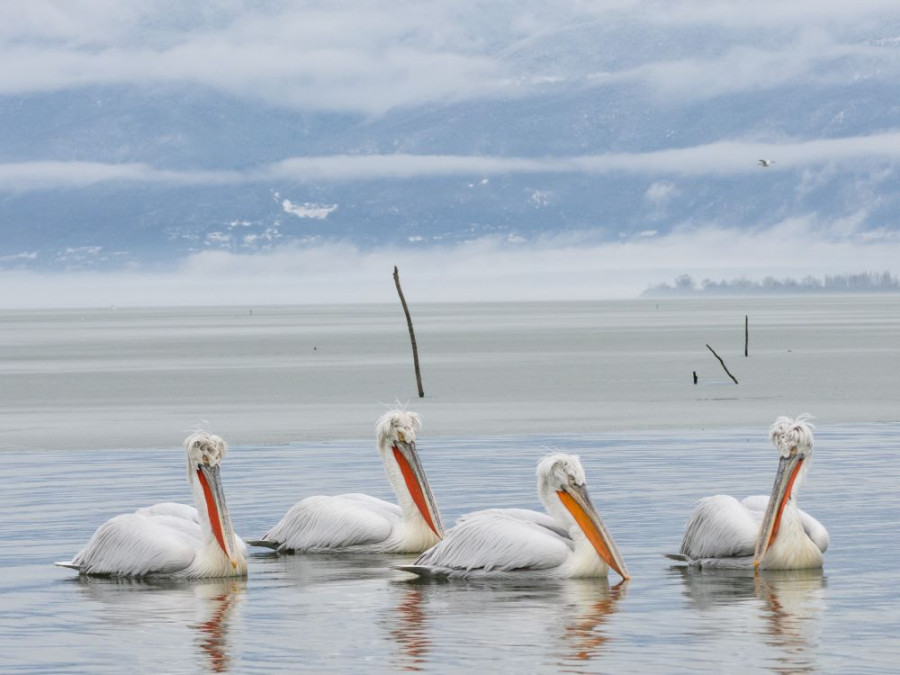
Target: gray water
column 116, row 378
column 322, row 612
column 603, row 380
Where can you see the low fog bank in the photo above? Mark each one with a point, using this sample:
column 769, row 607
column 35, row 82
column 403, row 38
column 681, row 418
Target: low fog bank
column 574, row 266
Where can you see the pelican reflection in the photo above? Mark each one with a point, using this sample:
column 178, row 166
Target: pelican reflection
column 206, row 607
column 212, row 638
column 408, row 625
column 590, row 605
column 790, row 602
column 312, row 569
column 572, row 612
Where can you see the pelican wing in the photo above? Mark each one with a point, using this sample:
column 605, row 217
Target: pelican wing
column 497, row 540
column 720, row 527
column 182, row 511
column 815, row 530
column 390, row 511
column 184, row 518
column 544, row 520
column 325, row 523
column 180, row 517
column 135, row 545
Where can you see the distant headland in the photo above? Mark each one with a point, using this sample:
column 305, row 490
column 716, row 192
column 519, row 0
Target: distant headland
column 863, row 282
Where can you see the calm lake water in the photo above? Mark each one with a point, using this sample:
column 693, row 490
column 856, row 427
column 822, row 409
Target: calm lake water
column 72, row 381
column 327, row 613
column 123, row 378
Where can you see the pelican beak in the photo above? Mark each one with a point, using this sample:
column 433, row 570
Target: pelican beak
column 788, row 469
column 578, row 502
column 217, row 509
column 417, row 483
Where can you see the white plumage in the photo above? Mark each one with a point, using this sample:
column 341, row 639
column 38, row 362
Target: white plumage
column 497, row 541
column 571, row 541
column 360, row 523
column 169, row 539
column 771, row 532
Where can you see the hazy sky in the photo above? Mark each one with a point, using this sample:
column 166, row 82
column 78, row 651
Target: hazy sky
column 369, row 59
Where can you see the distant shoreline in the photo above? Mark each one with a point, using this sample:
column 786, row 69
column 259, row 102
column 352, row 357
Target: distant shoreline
column 655, row 294
column 861, row 283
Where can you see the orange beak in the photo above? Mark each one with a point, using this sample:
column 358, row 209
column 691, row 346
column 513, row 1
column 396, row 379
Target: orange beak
column 417, row 484
column 578, row 503
column 788, row 470
column 216, row 508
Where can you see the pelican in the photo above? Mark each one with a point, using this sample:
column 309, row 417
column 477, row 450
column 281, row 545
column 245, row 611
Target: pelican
column 767, row 532
column 765, row 163
column 172, row 540
column 571, row 541
column 360, row 523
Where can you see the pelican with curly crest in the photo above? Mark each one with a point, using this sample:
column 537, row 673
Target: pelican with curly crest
column 172, row 540
column 769, row 533
column 568, row 541
column 360, row 523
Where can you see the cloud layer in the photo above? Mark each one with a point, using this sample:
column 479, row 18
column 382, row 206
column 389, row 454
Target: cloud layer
column 400, row 63
column 725, row 158
column 372, row 57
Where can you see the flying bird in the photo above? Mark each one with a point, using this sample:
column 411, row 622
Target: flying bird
column 762, row 532
column 168, row 539
column 766, row 163
column 570, row 540
column 360, row 523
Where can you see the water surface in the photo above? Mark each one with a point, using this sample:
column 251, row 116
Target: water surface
column 94, row 404
column 333, row 613
column 130, row 378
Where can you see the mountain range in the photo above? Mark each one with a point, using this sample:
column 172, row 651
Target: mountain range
column 600, row 130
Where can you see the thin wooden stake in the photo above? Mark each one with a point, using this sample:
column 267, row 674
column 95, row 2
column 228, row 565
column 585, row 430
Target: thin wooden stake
column 695, row 377
column 412, row 334
column 723, row 363
column 746, row 335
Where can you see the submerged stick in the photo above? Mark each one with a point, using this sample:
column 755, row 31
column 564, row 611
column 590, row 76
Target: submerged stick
column 746, row 334
column 412, row 334
column 723, row 363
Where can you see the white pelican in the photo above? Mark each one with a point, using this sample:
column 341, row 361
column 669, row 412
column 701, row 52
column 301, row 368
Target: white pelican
column 172, row 540
column 360, row 523
column 518, row 543
column 767, row 532
column 766, row 163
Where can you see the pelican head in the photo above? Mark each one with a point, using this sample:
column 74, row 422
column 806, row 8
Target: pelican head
column 205, row 452
column 561, row 479
column 794, row 441
column 396, row 434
